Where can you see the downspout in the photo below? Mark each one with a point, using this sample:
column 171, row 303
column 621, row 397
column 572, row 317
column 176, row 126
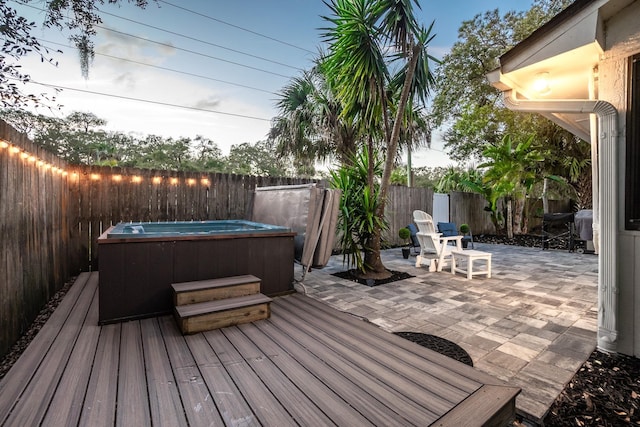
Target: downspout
column 608, row 192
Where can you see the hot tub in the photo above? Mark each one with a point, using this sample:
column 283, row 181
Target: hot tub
column 138, row 262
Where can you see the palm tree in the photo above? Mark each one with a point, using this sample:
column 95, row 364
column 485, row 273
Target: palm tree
column 378, row 68
column 512, row 172
column 309, row 125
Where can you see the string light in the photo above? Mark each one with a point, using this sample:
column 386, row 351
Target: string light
column 31, row 158
column 25, row 155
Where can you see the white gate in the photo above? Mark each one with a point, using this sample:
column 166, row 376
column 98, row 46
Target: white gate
column 440, row 208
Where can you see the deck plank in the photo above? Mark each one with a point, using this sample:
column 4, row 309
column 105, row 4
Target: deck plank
column 427, row 359
column 17, row 379
column 44, row 380
column 297, row 366
column 164, row 397
column 298, row 404
column 66, row 407
column 367, row 384
column 491, row 405
column 266, row 407
column 450, row 386
column 231, row 404
column 132, row 401
column 99, row 408
column 199, row 406
column 431, row 397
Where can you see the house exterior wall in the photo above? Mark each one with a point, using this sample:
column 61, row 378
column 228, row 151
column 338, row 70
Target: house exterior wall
column 622, row 36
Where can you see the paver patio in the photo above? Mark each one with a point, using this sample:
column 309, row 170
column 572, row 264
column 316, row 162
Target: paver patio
column 532, row 324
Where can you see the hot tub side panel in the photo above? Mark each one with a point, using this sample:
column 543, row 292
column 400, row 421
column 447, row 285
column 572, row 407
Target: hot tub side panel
column 135, row 276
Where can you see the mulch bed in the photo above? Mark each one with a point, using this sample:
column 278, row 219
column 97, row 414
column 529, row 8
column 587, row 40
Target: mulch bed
column 441, row 345
column 352, row 275
column 604, row 392
column 16, row 350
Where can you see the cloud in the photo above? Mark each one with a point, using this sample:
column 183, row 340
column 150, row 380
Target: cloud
column 118, row 43
column 207, row 104
column 126, row 79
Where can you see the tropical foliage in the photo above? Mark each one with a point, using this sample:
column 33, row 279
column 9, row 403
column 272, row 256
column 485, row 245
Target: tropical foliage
column 358, row 219
column 512, row 169
column 368, row 90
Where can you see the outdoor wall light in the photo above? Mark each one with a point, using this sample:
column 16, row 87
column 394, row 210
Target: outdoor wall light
column 174, row 181
column 157, row 179
column 117, row 178
column 204, row 181
column 4, row 144
column 541, row 84
column 95, row 177
column 136, row 179
column 191, row 181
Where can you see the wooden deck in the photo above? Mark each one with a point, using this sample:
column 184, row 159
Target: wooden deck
column 307, row 365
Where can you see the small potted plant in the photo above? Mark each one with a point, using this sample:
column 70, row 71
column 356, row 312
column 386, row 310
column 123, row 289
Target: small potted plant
column 464, row 230
column 404, row 233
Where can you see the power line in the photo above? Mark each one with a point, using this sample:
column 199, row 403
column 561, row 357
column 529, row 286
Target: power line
column 236, row 26
column 178, row 48
column 165, row 104
column 146, row 64
column 201, row 41
column 191, row 51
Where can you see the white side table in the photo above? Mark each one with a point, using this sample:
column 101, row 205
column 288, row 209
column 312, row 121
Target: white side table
column 468, row 257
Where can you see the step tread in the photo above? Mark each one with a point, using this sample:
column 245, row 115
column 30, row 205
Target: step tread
column 200, row 308
column 214, row 283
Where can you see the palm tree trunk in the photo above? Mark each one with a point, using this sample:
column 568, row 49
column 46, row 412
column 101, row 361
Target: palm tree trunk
column 518, row 215
column 373, row 262
column 509, row 219
column 545, row 195
column 375, row 269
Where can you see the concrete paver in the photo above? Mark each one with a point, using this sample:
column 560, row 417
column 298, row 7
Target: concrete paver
column 532, row 324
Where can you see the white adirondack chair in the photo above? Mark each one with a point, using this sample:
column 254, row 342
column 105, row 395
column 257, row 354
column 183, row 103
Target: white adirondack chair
column 435, row 249
column 424, row 221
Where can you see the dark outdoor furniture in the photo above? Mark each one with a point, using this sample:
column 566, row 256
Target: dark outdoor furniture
column 415, row 243
column 449, row 229
column 558, row 230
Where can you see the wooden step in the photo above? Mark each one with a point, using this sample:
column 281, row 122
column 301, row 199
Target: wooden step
column 205, row 316
column 214, row 289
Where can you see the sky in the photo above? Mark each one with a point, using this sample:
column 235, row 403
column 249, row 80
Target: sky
column 209, row 67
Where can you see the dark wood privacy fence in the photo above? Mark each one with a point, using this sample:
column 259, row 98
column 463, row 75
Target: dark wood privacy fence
column 35, row 254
